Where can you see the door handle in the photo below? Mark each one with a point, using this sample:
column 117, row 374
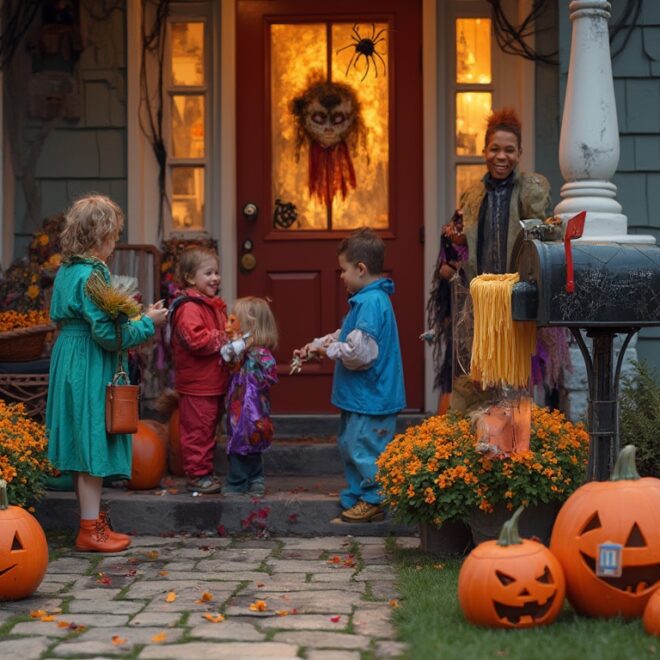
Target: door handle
column 250, row 212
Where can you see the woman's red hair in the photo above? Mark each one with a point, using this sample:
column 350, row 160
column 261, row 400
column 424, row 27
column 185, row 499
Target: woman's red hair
column 505, row 119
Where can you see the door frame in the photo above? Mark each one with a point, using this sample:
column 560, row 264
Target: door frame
column 437, row 195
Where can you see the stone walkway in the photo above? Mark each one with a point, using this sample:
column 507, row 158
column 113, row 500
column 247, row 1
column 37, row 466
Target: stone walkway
column 324, row 598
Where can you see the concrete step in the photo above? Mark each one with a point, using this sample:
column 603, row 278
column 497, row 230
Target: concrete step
column 315, row 426
column 289, row 456
column 292, row 506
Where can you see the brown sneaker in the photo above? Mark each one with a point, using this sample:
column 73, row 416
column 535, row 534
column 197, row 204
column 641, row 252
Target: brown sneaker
column 363, row 512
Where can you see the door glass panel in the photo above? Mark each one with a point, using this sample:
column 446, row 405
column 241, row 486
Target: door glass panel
column 473, row 51
column 472, row 110
column 297, row 51
column 187, row 53
column 368, row 203
column 329, row 143
column 187, row 126
column 188, row 198
column 466, row 175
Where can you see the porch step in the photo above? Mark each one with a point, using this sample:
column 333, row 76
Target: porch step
column 292, row 456
column 314, row 426
column 293, row 505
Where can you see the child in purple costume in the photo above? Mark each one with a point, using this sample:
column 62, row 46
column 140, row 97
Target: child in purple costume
column 252, row 328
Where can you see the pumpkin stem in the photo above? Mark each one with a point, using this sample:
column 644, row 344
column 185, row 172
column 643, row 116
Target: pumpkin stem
column 4, row 502
column 509, row 534
column 625, row 468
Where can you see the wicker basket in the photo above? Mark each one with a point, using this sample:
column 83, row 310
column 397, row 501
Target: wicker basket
column 23, row 344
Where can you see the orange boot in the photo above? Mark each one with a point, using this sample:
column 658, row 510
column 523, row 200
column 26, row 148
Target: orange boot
column 117, row 536
column 94, row 536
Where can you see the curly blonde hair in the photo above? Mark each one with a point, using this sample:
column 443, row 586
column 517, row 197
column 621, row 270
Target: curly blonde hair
column 88, row 223
column 255, row 316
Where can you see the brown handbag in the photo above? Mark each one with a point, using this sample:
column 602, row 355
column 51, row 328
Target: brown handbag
column 121, row 401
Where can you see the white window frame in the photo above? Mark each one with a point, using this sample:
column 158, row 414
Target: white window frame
column 143, row 192
column 512, row 85
column 184, row 12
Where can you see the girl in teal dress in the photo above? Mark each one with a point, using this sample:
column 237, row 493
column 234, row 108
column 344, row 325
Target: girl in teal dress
column 83, row 362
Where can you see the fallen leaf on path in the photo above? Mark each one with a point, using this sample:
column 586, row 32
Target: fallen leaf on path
column 153, row 554
column 213, row 618
column 205, row 597
column 258, row 606
column 117, row 640
column 171, row 597
column 163, row 573
column 63, row 624
column 160, row 637
column 393, row 602
column 335, row 619
column 282, row 612
column 260, row 584
column 47, row 618
column 37, row 614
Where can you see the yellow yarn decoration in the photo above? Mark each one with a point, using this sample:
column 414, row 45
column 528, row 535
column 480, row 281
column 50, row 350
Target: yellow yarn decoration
column 502, row 348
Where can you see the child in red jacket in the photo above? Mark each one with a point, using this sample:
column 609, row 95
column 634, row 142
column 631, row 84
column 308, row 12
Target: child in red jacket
column 197, row 321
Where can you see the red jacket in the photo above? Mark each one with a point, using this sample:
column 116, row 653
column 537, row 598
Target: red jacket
column 198, row 332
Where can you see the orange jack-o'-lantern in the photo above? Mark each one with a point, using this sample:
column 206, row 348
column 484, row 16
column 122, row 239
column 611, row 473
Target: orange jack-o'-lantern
column 149, row 458
column 23, row 550
column 623, row 511
column 652, row 614
column 511, row 582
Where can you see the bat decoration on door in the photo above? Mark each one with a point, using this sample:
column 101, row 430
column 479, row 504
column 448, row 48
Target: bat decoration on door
column 329, row 120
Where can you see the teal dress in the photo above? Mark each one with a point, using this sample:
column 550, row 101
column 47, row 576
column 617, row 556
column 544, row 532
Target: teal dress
column 82, row 363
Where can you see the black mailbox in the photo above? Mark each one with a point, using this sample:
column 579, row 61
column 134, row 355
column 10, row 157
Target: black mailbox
column 603, row 288
column 616, row 285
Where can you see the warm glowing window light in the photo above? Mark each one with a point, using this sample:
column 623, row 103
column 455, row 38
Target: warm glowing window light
column 298, row 51
column 188, row 198
column 187, row 53
column 473, row 63
column 472, row 110
column 466, row 175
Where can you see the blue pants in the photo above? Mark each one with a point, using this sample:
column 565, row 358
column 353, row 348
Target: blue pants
column 244, row 471
column 362, row 439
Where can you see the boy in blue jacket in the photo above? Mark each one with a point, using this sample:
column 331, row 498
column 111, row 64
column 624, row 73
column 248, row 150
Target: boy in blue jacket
column 368, row 380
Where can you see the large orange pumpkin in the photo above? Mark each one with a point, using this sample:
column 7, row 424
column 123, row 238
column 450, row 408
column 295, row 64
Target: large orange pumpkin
column 149, row 459
column 174, row 458
column 652, row 614
column 511, row 582
column 626, row 511
column 23, row 550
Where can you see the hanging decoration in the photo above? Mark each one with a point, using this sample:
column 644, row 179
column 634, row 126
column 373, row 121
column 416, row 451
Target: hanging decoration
column 285, row 214
column 365, row 47
column 329, row 121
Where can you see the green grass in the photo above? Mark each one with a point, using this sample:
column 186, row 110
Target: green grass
column 430, row 620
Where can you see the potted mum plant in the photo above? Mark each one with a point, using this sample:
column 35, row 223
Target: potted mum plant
column 434, row 475
column 23, row 456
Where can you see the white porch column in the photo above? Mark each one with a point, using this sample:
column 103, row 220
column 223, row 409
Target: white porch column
column 589, row 142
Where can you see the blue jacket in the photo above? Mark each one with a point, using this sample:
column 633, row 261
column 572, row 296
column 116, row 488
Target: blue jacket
column 379, row 389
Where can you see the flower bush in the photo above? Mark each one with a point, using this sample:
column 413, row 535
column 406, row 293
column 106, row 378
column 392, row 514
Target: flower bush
column 433, row 473
column 12, row 320
column 23, row 459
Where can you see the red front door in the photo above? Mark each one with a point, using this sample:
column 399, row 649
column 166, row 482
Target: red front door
column 329, row 138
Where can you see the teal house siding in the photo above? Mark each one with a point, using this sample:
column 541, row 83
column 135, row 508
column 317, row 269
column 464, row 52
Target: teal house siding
column 89, row 153
column 636, row 71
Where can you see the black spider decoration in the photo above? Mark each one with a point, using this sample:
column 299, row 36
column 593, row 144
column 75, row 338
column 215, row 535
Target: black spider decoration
column 365, row 47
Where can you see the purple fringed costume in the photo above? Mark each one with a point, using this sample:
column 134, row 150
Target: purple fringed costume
column 249, row 427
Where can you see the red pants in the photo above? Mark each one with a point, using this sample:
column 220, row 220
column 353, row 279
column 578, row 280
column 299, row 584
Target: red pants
column 198, row 421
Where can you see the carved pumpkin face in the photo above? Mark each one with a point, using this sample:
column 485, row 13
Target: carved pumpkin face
column 23, row 553
column 519, row 585
column 626, row 512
